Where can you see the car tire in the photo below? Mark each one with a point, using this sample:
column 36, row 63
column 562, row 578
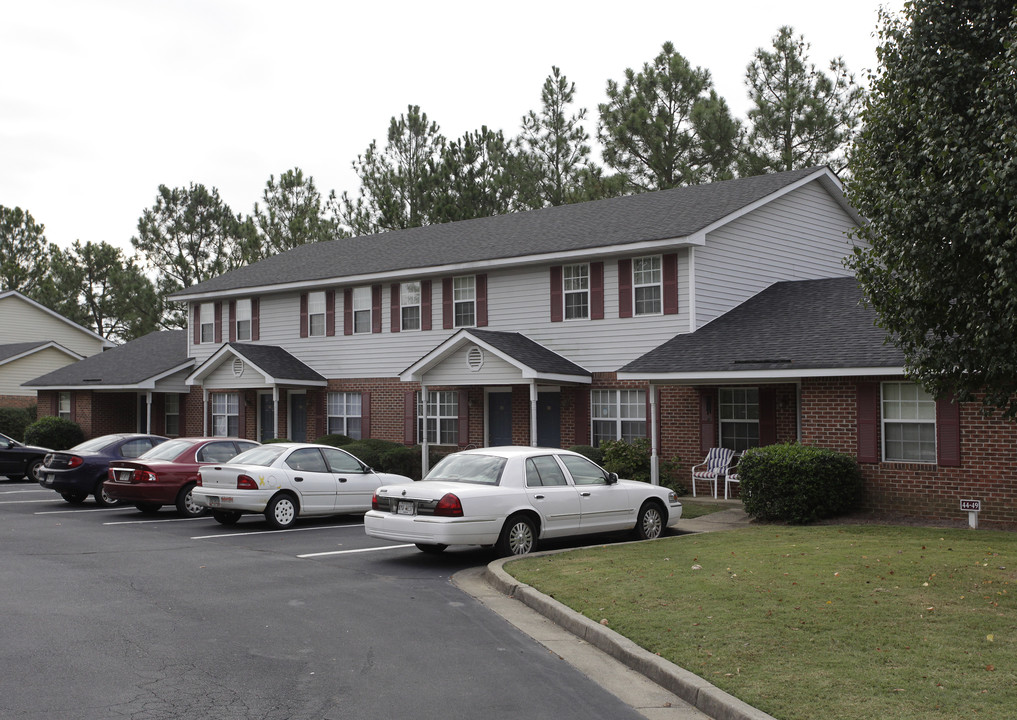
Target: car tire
column 33, row 470
column 103, row 498
column 226, row 517
column 282, row 511
column 431, row 549
column 74, row 498
column 518, row 537
column 186, row 507
column 650, row 521
column 148, row 508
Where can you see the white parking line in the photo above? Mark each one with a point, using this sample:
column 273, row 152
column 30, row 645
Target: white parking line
column 79, row 510
column 22, row 502
column 145, row 522
column 274, row 532
column 22, row 492
column 358, row 550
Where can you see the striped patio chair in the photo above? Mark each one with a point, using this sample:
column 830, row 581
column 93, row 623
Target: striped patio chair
column 715, row 465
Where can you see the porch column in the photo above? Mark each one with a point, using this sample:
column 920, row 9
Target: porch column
column 148, row 412
column 204, row 411
column 654, row 437
column 424, row 455
column 275, row 411
column 533, row 413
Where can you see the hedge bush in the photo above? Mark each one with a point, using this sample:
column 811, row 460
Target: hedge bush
column 13, row 421
column 54, row 433
column 370, row 451
column 334, row 440
column 798, row 483
column 631, row 460
column 593, row 453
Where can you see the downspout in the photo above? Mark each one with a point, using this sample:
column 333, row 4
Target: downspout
column 533, row 413
column 275, row 411
column 425, row 465
column 148, row 412
column 204, row 411
column 654, row 439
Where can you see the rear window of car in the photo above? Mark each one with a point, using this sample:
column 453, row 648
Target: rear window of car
column 95, row 444
column 167, row 450
column 479, row 469
column 263, row 455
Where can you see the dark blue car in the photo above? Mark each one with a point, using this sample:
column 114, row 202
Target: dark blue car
column 81, row 471
column 18, row 460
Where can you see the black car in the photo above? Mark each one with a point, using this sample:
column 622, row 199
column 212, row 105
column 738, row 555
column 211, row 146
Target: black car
column 81, row 471
column 18, row 461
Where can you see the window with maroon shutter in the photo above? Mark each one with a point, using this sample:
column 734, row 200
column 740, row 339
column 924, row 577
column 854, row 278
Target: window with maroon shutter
column 206, row 322
column 948, row 432
column 425, row 304
column 670, row 289
column 908, row 425
column 376, row 308
column 867, row 421
column 556, row 294
column 330, row 313
column 255, row 318
column 625, row 288
column 739, row 410
column 303, row 315
column 217, row 308
column 597, row 291
column 707, row 420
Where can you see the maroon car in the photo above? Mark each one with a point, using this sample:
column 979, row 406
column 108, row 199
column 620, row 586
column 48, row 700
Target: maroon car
column 166, row 474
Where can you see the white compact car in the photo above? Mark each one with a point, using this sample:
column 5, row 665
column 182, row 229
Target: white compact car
column 287, row 480
column 511, row 497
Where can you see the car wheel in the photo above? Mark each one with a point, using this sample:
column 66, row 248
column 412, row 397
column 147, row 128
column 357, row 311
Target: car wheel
column 186, row 506
column 34, row 470
column 226, row 517
column 518, row 537
column 103, row 498
column 281, row 512
column 74, row 498
column 650, row 522
column 148, row 507
column 431, row 549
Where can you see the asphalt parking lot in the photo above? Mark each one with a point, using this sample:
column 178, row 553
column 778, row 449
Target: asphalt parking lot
column 108, row 613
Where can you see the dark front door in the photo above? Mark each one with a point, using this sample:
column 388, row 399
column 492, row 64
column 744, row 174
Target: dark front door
column 298, row 418
column 266, row 417
column 499, row 419
column 549, row 419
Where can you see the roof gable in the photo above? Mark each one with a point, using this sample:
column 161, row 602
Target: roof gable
column 13, row 296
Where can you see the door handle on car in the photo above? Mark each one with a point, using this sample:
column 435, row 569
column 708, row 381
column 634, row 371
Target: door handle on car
column 298, row 479
column 538, row 497
column 342, row 479
column 585, row 494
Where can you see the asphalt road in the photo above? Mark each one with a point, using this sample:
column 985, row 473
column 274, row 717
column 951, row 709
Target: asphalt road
column 107, row 613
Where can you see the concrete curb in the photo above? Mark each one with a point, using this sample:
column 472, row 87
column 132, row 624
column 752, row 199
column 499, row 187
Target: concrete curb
column 689, row 687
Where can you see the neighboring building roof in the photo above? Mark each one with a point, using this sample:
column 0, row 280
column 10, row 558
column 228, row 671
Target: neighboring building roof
column 14, row 351
column 277, row 362
column 791, row 329
column 15, row 294
column 602, row 224
column 136, row 364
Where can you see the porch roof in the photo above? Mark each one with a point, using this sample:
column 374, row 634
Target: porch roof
column 276, row 364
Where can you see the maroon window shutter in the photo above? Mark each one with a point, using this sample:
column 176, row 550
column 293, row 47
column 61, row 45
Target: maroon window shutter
column 464, row 417
column 409, row 417
column 481, row 300
column 557, row 314
column 376, row 308
column 347, row 311
column 217, row 309
column 582, row 416
column 446, row 303
column 255, row 318
column 767, row 416
column 74, row 406
column 868, row 422
column 197, row 323
column 649, row 410
column 303, row 315
column 625, row 288
column 597, row 291
column 242, row 416
column 425, row 304
column 707, row 419
column 365, row 415
column 330, row 312
column 670, row 290
column 948, row 431
column 233, row 320
column 395, row 316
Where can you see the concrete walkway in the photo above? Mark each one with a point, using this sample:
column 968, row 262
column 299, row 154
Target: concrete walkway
column 658, row 689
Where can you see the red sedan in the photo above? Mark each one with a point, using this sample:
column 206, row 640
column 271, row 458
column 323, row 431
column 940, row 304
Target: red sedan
column 166, row 474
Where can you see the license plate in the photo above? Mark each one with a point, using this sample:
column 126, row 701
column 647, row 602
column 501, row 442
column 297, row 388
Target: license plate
column 213, row 501
column 405, row 507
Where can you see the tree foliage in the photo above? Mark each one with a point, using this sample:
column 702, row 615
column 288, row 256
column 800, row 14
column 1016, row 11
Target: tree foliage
column 293, row 214
column 479, row 175
column 801, row 116
column 23, row 251
column 666, row 126
column 934, row 172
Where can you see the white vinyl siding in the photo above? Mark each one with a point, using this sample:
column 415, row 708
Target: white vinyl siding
column 22, row 321
column 15, row 372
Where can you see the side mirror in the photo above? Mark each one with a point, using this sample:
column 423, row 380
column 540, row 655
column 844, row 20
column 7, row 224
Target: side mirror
column 612, row 478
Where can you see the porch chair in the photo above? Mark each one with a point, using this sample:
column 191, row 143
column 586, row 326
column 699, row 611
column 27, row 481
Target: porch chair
column 715, row 465
column 732, row 473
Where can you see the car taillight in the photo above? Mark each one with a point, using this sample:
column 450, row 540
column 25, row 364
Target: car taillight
column 449, row 506
column 110, row 475
column 74, row 461
column 198, row 482
column 246, row 482
column 145, row 476
column 374, row 502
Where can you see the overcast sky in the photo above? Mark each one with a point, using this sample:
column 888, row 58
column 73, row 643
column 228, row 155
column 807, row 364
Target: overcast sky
column 102, row 101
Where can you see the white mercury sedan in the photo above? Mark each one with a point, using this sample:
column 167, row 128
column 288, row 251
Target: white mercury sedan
column 287, row 480
column 511, row 497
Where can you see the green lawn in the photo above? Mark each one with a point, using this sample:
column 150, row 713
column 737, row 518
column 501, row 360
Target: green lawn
column 833, row 622
column 692, row 509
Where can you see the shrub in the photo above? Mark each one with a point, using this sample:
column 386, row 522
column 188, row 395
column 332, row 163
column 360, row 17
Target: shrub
column 593, row 453
column 275, row 440
column 13, row 421
column 370, row 451
column 401, row 460
column 334, row 440
column 54, row 432
column 798, row 483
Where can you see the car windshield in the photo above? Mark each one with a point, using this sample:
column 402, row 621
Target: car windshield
column 480, row 469
column 167, row 450
column 263, row 455
column 95, row 444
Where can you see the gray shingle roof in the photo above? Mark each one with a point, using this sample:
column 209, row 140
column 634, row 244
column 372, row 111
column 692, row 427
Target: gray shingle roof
column 651, row 216
column 528, row 352
column 276, row 361
column 14, row 349
column 804, row 324
column 129, row 364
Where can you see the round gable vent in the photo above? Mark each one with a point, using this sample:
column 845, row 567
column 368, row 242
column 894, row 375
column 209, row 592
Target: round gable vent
column 238, row 367
column 475, row 359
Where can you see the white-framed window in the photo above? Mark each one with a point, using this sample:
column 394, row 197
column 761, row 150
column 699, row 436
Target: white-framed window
column 344, row 410
column 409, row 306
column 225, row 414
column 243, row 320
column 909, row 423
column 739, row 418
column 64, row 405
column 171, row 412
column 575, row 280
column 464, row 301
column 316, row 313
column 647, row 281
column 362, row 310
column 207, row 320
column 439, row 419
column 618, row 415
